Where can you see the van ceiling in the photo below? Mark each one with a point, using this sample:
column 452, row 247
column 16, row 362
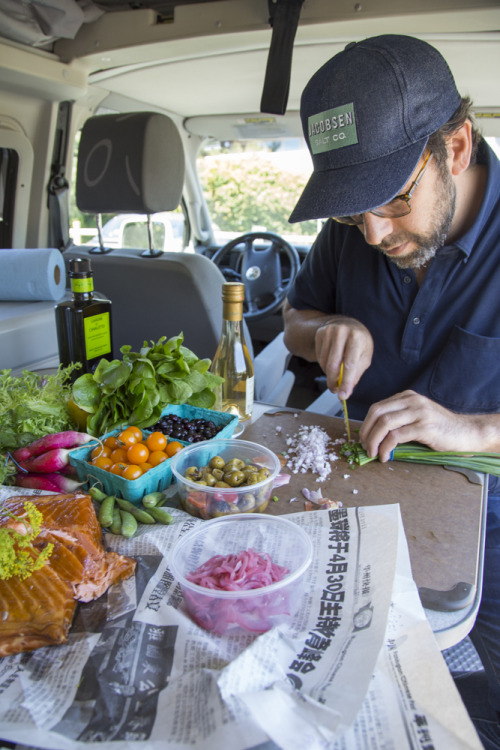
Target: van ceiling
column 209, row 60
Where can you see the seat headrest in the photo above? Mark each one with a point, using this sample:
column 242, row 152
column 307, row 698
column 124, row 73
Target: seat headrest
column 129, row 163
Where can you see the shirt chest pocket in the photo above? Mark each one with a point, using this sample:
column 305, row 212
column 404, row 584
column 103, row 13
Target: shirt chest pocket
column 466, row 377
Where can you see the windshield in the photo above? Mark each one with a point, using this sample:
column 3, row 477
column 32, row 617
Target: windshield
column 253, row 186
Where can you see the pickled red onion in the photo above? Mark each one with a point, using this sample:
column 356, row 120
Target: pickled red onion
column 245, row 570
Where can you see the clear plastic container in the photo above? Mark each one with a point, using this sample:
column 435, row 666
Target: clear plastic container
column 211, row 502
column 253, row 610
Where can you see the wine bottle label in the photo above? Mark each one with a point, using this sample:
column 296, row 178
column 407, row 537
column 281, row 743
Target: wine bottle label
column 82, row 286
column 97, row 335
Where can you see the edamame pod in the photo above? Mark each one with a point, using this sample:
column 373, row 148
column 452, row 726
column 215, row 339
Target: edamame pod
column 125, row 504
column 141, row 515
column 116, row 525
column 129, row 524
column 161, row 515
column 106, row 511
column 152, row 499
column 97, row 494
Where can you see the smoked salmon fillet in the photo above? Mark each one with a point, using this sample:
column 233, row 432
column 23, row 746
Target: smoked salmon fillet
column 39, row 610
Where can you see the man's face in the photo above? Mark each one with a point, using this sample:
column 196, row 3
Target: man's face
column 412, row 240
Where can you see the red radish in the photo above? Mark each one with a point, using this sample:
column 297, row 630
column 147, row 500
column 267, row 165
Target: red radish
column 32, row 482
column 67, row 439
column 50, row 481
column 21, row 454
column 53, row 460
column 69, row 471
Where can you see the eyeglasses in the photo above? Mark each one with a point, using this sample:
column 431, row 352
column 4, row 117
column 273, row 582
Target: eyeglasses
column 399, row 206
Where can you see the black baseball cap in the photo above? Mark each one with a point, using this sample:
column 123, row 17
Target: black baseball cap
column 367, row 115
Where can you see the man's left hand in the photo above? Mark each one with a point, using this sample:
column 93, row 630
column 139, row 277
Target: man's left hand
column 408, row 417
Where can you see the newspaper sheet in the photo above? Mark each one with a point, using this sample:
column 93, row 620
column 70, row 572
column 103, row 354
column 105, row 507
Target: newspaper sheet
column 358, row 666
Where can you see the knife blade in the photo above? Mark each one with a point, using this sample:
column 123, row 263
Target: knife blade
column 344, row 405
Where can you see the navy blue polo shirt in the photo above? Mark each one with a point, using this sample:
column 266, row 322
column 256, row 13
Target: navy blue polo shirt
column 442, row 339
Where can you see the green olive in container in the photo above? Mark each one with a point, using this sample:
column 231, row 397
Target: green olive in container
column 222, row 477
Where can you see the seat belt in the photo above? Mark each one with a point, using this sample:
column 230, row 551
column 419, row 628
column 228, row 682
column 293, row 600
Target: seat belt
column 58, row 187
column 284, row 19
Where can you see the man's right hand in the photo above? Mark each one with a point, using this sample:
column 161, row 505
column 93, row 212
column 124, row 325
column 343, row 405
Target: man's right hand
column 330, row 340
column 343, row 340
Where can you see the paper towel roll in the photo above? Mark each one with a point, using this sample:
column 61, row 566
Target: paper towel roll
column 32, row 274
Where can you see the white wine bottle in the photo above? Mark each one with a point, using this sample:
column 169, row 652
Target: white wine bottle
column 232, row 359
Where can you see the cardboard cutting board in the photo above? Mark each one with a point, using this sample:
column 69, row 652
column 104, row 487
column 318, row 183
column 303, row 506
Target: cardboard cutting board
column 441, row 509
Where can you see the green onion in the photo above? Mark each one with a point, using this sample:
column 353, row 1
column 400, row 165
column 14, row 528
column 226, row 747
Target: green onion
column 486, row 463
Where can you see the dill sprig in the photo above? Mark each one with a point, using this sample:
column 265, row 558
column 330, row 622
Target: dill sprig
column 18, row 556
column 486, row 463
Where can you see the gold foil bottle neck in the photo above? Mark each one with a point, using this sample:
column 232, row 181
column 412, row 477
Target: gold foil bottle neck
column 233, row 295
column 233, row 291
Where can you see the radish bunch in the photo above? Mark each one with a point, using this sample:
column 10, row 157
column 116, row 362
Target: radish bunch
column 44, row 464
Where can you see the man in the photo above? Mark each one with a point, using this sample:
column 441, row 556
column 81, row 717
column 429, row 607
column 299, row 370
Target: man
column 402, row 286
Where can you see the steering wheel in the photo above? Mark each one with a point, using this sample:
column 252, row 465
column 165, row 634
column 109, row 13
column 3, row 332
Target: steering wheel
column 260, row 268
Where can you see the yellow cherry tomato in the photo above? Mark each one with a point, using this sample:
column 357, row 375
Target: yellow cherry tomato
column 137, row 453
column 132, row 471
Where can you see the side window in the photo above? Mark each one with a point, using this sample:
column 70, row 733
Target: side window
column 135, row 234
column 16, row 170
column 9, row 166
column 494, row 142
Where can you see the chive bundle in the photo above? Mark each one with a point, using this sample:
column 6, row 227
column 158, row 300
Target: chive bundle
column 486, row 463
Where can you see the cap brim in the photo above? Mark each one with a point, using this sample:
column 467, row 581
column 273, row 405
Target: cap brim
column 357, row 188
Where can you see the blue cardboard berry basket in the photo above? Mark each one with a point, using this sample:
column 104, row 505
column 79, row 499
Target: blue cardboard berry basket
column 159, row 477
column 225, row 422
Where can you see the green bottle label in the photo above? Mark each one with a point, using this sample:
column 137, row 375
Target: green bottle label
column 97, row 335
column 82, row 286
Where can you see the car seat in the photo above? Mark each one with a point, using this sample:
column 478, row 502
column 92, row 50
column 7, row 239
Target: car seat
column 135, row 163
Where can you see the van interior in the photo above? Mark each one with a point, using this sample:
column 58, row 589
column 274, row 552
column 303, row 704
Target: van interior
column 201, row 98
column 214, row 89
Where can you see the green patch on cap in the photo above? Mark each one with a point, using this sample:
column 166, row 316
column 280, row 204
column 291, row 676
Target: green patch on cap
column 332, row 129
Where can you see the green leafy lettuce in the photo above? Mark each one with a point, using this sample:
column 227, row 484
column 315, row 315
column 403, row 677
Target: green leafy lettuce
column 32, row 405
column 135, row 389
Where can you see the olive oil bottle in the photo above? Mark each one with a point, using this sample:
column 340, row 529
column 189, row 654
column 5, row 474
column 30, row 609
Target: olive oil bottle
column 84, row 322
column 232, row 359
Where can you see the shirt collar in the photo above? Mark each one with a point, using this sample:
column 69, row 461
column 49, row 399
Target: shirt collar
column 487, row 156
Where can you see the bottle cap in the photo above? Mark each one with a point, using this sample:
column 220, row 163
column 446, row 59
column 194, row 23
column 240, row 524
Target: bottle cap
column 80, row 267
column 233, row 291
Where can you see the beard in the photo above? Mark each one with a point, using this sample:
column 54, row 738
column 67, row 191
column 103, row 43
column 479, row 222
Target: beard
column 426, row 245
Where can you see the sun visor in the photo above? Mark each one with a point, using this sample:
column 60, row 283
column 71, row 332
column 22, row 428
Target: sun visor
column 246, row 127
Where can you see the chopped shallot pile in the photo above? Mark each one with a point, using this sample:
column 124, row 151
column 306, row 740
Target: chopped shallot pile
column 247, row 569
column 310, row 450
